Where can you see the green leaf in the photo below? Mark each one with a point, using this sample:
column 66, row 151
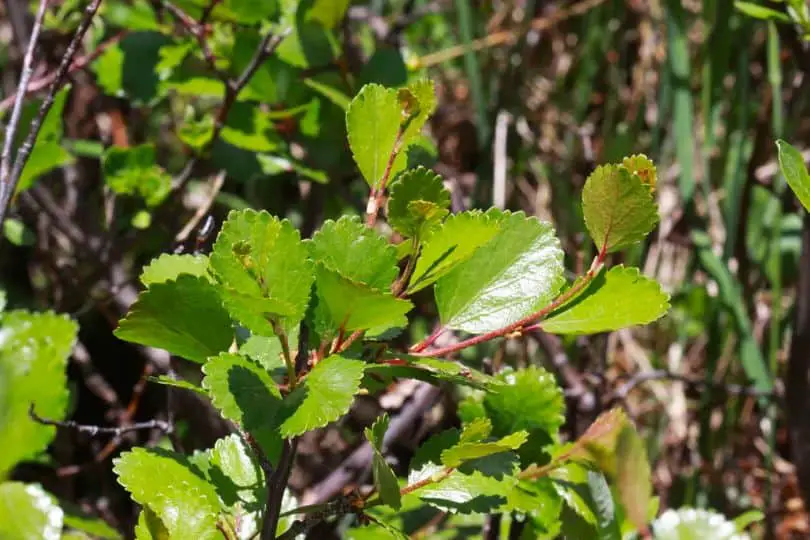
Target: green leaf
column 48, row 152
column 694, row 524
column 168, row 267
column 373, row 122
column 128, row 69
column 633, row 476
column 28, row 512
column 250, row 128
column 746, row 519
column 325, row 395
column 618, row 207
column 763, row 13
column 791, row 162
column 150, row 527
column 467, row 493
column 134, row 170
column 384, row 478
column 166, row 483
column 263, row 267
column 529, row 400
column 418, row 201
column 516, row 273
column 354, row 251
column 453, row 243
column 34, row 349
column 183, row 316
column 250, row 11
column 616, row 299
column 244, row 392
column 328, row 13
column 352, row 306
column 17, row 233
column 466, row 451
column 236, row 473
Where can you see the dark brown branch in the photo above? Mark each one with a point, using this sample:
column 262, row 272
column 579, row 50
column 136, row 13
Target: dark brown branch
column 94, row 430
column 9, row 184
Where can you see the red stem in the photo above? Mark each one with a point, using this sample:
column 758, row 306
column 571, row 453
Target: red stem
column 418, row 350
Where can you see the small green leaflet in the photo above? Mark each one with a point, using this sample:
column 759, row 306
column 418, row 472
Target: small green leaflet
column 168, row 267
column 472, row 444
column 618, row 207
column 384, row 478
column 793, row 167
column 418, row 201
column 618, row 298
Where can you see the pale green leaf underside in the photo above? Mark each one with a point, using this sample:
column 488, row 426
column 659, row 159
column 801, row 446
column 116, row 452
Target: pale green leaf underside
column 466, row 451
column 354, row 251
column 34, row 348
column 261, row 261
column 791, row 162
column 184, row 316
column 618, row 298
column 372, row 121
column 27, row 512
column 618, row 207
column 169, row 267
column 633, row 477
column 244, row 392
column 518, row 272
column 325, row 395
column 165, row 482
column 451, row 244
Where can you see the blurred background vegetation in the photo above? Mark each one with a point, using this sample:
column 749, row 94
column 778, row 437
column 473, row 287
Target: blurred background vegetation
column 533, row 95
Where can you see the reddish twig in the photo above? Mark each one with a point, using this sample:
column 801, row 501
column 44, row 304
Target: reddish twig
column 519, row 326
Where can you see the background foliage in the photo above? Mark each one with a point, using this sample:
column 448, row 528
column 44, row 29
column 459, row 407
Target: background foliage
column 160, row 128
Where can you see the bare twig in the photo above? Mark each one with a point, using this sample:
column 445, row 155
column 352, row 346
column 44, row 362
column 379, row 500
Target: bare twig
column 8, row 184
column 642, row 377
column 94, row 430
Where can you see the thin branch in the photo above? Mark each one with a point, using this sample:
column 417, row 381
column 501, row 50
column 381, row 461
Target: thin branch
column 640, row 378
column 276, row 485
column 93, row 430
column 80, row 63
column 198, row 31
column 16, row 111
column 9, row 184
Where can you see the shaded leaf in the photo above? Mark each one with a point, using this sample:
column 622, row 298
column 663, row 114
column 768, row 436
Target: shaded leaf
column 418, row 201
column 791, row 162
column 453, row 243
column 168, row 267
column 166, row 483
column 34, row 349
column 616, row 299
column 236, row 473
column 28, row 512
column 618, row 207
column 516, row 273
column 244, row 392
column 128, row 69
column 183, row 316
column 353, row 306
column 384, row 478
column 263, row 267
column 325, row 395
